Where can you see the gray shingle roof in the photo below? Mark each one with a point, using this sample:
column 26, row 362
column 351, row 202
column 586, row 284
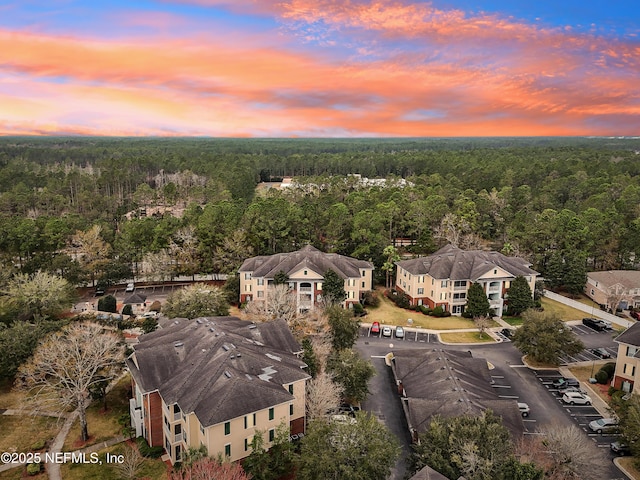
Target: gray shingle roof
column 215, row 367
column 450, row 383
column 452, row 263
column 629, row 279
column 308, row 257
column 631, row 336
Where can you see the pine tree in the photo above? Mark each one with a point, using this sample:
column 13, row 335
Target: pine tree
column 520, row 297
column 477, row 301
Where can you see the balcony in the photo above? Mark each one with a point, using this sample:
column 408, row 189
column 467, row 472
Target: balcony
column 136, row 416
column 460, row 289
column 178, row 437
column 304, row 289
column 177, row 416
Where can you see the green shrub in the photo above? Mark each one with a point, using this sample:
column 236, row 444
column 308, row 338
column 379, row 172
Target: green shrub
column 371, row 299
column 38, row 445
column 612, row 391
column 33, row 469
column 424, row 309
column 127, row 310
column 357, row 309
column 610, row 368
column 147, row 451
column 602, row 377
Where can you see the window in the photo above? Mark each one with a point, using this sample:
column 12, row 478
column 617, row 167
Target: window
column 246, row 444
column 431, row 294
column 260, row 294
column 456, row 309
column 409, row 277
column 624, row 368
column 495, row 272
column 271, row 413
column 291, row 389
column 432, row 280
column 631, row 351
column 364, row 273
column 260, row 281
column 201, row 429
column 272, row 435
column 247, row 288
column 443, row 284
column 404, row 273
column 305, row 272
column 457, row 296
column 421, row 291
column 362, row 284
column 227, row 428
column 227, row 450
column 318, row 286
column 633, row 371
column 460, row 283
column 409, row 287
column 291, row 409
column 592, row 292
column 247, row 276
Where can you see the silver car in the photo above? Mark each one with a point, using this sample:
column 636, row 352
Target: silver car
column 576, row 398
column 399, row 332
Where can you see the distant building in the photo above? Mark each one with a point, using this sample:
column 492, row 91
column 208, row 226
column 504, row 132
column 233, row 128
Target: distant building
column 215, row 382
column 305, row 270
column 444, row 277
column 614, row 286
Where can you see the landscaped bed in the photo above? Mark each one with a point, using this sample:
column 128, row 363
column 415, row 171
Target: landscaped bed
column 25, row 433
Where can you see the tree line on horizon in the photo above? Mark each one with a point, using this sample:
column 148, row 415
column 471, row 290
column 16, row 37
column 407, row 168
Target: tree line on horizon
column 100, row 208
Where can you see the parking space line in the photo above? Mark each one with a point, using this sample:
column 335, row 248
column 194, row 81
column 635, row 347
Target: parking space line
column 508, row 396
column 501, row 386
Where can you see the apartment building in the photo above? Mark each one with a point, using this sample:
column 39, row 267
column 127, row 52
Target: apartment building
column 614, row 288
column 628, row 359
column 305, row 271
column 215, row 381
column 444, row 277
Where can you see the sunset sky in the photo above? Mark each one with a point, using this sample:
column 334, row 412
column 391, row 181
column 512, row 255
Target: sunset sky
column 320, row 68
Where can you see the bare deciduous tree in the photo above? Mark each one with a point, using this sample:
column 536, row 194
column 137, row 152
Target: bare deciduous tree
column 615, row 295
column 279, row 302
column 482, row 323
column 66, row 365
column 323, row 394
column 132, row 461
column 158, row 266
column 566, row 453
column 209, row 469
column 322, row 348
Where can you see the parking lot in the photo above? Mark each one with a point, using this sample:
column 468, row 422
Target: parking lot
column 413, row 335
column 580, row 415
column 593, row 339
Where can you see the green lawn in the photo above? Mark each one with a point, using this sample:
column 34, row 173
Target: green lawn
column 102, row 425
column 565, row 312
column 9, row 398
column 22, row 433
column 466, row 337
column 388, row 313
column 513, row 321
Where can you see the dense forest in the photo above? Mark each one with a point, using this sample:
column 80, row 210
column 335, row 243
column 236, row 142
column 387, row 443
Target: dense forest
column 103, row 209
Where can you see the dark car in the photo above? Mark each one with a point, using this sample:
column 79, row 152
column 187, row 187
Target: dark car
column 600, row 352
column 507, row 332
column 375, row 328
column 100, row 291
column 595, row 323
column 620, row 448
column 635, row 314
column 563, row 383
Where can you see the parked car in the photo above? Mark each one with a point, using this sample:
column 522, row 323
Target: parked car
column 562, row 383
column 604, row 425
column 131, row 287
column 635, row 314
column 576, row 398
column 524, row 409
column 600, row 352
column 375, row 328
column 620, row 448
column 349, row 409
column 386, row 331
column 100, row 291
column 399, row 332
column 343, row 419
column 594, row 323
column 507, row 332
column 562, row 391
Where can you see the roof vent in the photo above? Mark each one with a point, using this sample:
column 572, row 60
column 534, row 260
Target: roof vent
column 212, row 329
column 238, row 355
column 204, row 350
column 176, row 322
column 232, row 356
column 227, row 374
column 248, row 376
column 199, row 322
column 225, row 347
column 178, row 344
column 252, row 326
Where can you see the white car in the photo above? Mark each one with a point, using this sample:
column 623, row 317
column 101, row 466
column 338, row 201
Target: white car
column 524, row 409
column 386, row 331
column 399, row 332
column 576, row 398
column 130, row 287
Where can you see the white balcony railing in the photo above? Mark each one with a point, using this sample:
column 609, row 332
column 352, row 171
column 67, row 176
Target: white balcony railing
column 177, row 416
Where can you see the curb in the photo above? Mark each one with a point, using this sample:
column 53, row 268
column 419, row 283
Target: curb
column 616, row 462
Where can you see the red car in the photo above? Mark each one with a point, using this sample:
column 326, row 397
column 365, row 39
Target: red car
column 635, row 314
column 375, row 328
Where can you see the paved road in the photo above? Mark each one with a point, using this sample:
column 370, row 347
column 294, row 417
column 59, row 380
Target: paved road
column 511, row 380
